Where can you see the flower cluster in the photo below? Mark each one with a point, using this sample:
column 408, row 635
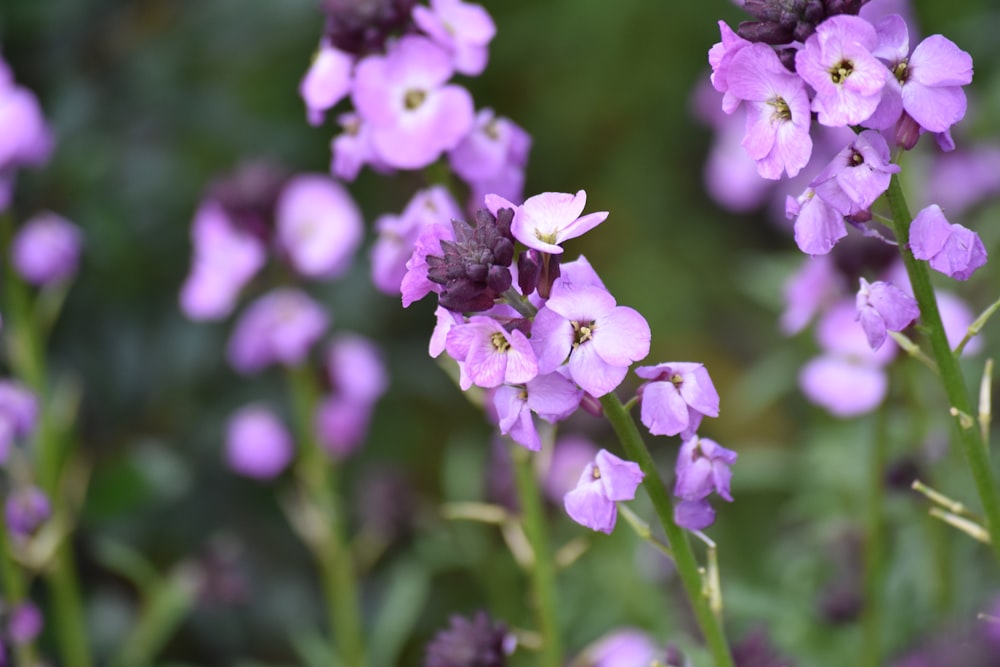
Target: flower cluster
column 26, row 140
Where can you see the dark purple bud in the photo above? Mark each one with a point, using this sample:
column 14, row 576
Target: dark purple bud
column 901, row 473
column 592, row 405
column 841, row 604
column 499, row 279
column 550, row 271
column 362, row 26
column 249, row 196
column 755, row 650
column 764, row 32
column 907, row 132
column 470, row 643
column 674, row 657
column 528, row 269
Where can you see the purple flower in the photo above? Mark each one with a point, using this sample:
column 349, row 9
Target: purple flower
column 25, row 623
column 398, row 234
column 355, row 368
column 883, row 306
column 492, row 157
column 546, row 220
column 806, row 292
column 703, row 467
column 414, row 115
column 25, row 138
column 279, row 327
column 318, row 225
column 694, row 514
column 625, row 647
column 342, row 424
column 327, row 82
column 26, row 509
column 926, row 85
column 570, row 455
column 46, row 249
column 953, row 250
column 605, row 481
column 257, row 443
column 552, row 397
column 463, row 29
column 720, row 57
column 837, row 62
column 225, row 259
column 778, row 116
column 676, row 397
column 858, row 175
column 18, row 414
column 818, row 225
column 352, row 149
column 600, row 338
column 490, row 355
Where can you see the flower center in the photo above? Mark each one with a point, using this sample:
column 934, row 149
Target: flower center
column 597, row 473
column 545, row 238
column 676, row 380
column 781, row 112
column 583, row 332
column 840, row 71
column 856, row 159
column 902, row 71
column 500, row 342
column 414, row 98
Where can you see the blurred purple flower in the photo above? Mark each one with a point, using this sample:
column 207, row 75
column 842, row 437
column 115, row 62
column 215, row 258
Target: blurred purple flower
column 342, row 424
column 318, row 225
column 676, row 397
column 26, row 509
column 960, row 180
column 25, row 138
column 605, row 481
column 352, row 149
column 471, row 643
column 327, row 81
column 463, row 29
column 953, row 250
column 355, row 368
column 552, row 396
column 279, row 327
column 625, row 647
column 570, row 455
column 257, row 443
column 414, row 114
column 24, row 623
column 18, row 414
column 807, row 291
column 46, row 249
column 492, row 158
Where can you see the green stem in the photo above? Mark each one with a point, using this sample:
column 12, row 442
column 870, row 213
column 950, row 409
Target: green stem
column 67, row 608
column 318, row 477
column 951, row 375
column 543, row 574
column 684, row 560
column 875, row 545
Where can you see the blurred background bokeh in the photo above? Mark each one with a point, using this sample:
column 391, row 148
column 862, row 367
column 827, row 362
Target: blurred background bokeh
column 152, row 100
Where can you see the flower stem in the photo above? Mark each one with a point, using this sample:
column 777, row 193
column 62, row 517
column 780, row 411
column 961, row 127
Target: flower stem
column 951, row 375
column 684, row 560
column 318, row 476
column 875, row 545
column 543, row 572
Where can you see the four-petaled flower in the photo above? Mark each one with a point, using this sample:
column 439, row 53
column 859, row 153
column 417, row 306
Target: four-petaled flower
column 953, row 250
column 605, row 481
column 676, row 397
column 490, row 355
column 546, row 220
column 884, row 307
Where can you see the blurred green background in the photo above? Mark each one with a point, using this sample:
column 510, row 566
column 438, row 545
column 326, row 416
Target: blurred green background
column 152, row 99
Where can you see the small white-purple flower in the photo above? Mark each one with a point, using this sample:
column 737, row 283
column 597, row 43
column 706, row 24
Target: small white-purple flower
column 604, row 482
column 463, row 28
column 858, row 175
column 953, row 250
column 703, row 467
column 327, row 81
column 546, row 220
column 884, row 307
column 490, row 355
column 257, row 443
column 818, row 225
column 676, row 397
column 552, row 397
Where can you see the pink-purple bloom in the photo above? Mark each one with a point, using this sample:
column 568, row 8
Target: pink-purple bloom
column 702, row 467
column 546, row 220
column 492, row 157
column 18, row 414
column 318, row 225
column 25, row 138
column 777, row 106
column 604, row 482
column 676, row 397
column 413, row 113
column 884, row 307
column 327, row 82
column 858, row 175
column 490, row 355
column 584, row 327
column 462, row 28
column 257, row 443
column 24, row 623
column 953, row 250
column 837, row 62
column 279, row 327
column 46, row 249
column 26, row 509
column 818, row 225
column 552, row 396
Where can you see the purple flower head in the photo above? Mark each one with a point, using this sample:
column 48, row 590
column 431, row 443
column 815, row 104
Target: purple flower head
column 18, row 414
column 807, row 291
column 46, row 249
column 818, row 225
column 355, row 368
column 463, row 29
column 471, row 643
column 720, row 57
column 953, row 250
column 960, row 180
column 364, row 27
column 676, row 397
column 475, row 268
column 837, row 62
column 24, row 623
column 926, row 85
column 414, row 114
column 703, row 467
column 279, row 327
column 342, row 424
column 546, row 220
column 784, row 21
column 327, row 82
column 858, row 175
column 398, row 234
column 26, row 509
column 257, row 443
column 25, row 138
column 570, row 455
column 778, row 118
column 490, row 355
column 318, row 225
column 625, row 647
column 552, row 397
column 883, row 306
column 600, row 339
column 694, row 514
column 605, row 481
column 225, row 259
column 495, row 152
